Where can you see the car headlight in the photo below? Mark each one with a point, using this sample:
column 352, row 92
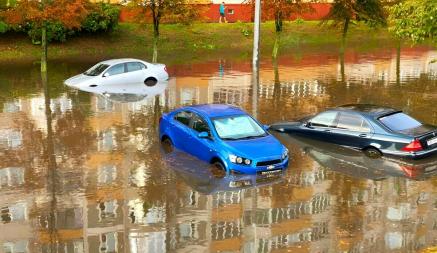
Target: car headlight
column 239, row 160
column 284, row 154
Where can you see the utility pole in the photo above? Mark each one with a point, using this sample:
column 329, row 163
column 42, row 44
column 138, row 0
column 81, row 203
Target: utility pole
column 256, row 34
column 255, row 58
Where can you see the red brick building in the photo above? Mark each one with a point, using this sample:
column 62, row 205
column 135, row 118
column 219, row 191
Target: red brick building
column 238, row 10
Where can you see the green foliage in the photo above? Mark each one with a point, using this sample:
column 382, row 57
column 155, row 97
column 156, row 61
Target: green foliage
column 3, row 27
column 3, row 4
column 344, row 11
column 102, row 18
column 299, row 21
column 55, row 32
column 414, row 19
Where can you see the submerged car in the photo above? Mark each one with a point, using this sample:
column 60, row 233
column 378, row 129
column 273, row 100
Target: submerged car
column 374, row 129
column 120, row 71
column 224, row 136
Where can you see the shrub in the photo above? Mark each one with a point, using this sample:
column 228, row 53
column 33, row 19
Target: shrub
column 3, row 27
column 55, row 32
column 101, row 18
column 299, row 21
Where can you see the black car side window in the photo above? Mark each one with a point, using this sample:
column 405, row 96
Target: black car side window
column 199, row 124
column 324, row 119
column 352, row 122
column 184, row 117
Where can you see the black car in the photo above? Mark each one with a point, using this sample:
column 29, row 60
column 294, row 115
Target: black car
column 357, row 165
column 374, row 129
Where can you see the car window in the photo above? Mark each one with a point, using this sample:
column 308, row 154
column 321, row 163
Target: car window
column 199, row 124
column 134, row 66
column 324, row 119
column 399, row 122
column 352, row 122
column 96, row 70
column 184, row 117
column 238, row 127
column 116, row 69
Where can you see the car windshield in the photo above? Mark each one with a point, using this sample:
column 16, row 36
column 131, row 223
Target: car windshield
column 237, row 128
column 96, row 70
column 399, row 122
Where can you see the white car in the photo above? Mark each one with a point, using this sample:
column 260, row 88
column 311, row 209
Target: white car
column 120, row 71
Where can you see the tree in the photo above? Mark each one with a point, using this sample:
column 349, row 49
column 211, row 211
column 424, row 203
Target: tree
column 280, row 10
column 161, row 9
column 414, row 19
column 344, row 12
column 70, row 13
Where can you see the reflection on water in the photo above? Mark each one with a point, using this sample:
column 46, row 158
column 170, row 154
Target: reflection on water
column 84, row 172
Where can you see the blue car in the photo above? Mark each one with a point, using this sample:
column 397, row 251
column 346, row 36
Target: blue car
column 224, row 136
column 376, row 130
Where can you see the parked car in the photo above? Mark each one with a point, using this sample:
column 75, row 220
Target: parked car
column 120, row 71
column 374, row 129
column 224, row 136
column 357, row 165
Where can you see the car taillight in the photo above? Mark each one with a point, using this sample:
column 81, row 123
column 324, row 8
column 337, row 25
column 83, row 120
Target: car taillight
column 160, row 119
column 413, row 146
column 165, row 68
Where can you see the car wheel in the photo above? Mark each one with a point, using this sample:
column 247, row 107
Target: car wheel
column 372, row 153
column 167, row 145
column 150, row 81
column 218, row 170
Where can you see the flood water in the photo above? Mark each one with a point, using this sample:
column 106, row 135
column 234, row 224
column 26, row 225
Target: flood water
column 84, row 172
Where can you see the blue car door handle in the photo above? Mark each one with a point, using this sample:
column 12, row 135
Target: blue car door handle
column 327, row 130
column 362, row 135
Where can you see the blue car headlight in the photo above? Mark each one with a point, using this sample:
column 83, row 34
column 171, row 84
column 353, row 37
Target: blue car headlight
column 239, row 160
column 284, row 154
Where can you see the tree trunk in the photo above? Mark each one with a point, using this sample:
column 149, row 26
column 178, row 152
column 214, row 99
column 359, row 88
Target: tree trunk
column 155, row 50
column 44, row 48
column 343, row 39
column 276, row 45
column 398, row 63
column 278, row 21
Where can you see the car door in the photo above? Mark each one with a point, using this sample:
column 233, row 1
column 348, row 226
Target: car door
column 136, row 72
column 321, row 126
column 181, row 132
column 353, row 130
column 203, row 148
column 115, row 75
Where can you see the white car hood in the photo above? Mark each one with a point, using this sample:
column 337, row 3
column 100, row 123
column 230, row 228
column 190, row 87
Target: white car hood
column 79, row 80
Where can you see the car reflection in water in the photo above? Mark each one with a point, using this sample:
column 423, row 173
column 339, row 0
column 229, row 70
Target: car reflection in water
column 206, row 179
column 356, row 164
column 127, row 93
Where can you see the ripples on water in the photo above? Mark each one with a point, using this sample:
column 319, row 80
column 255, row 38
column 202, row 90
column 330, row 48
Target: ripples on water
column 96, row 180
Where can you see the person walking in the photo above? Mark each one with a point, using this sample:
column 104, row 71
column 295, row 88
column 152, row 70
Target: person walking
column 222, row 12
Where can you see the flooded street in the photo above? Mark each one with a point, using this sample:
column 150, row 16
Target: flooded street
column 85, row 172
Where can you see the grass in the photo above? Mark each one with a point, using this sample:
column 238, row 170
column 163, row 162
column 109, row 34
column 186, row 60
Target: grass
column 180, row 43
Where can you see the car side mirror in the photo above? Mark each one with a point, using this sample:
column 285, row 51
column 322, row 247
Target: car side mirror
column 203, row 135
column 106, row 74
column 266, row 127
column 307, row 124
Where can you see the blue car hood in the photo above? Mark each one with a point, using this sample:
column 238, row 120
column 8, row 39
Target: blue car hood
column 263, row 147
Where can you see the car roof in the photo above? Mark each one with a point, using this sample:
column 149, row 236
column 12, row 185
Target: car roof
column 368, row 109
column 216, row 110
column 121, row 60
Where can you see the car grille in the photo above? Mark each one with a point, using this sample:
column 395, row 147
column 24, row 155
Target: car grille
column 267, row 163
